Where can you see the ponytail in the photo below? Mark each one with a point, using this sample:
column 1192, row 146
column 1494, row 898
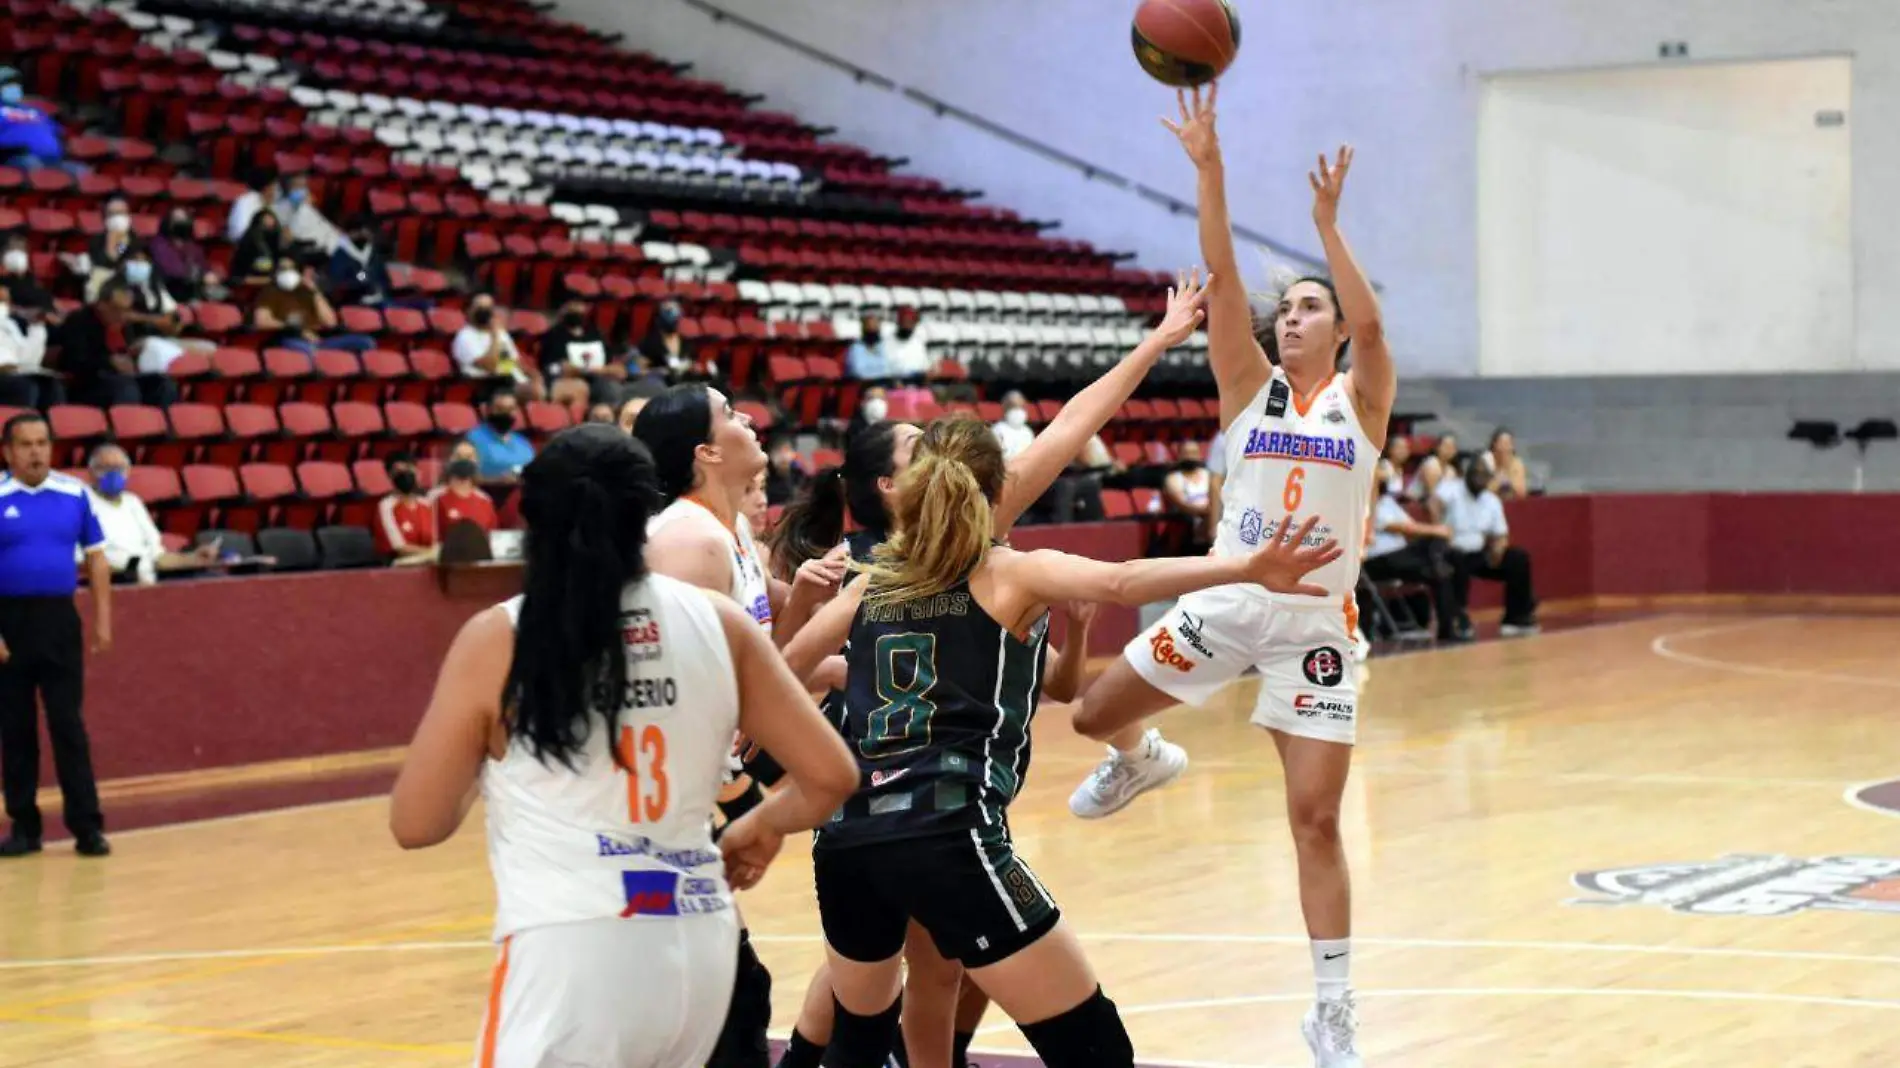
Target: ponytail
column 811, row 524
column 944, row 513
column 586, row 499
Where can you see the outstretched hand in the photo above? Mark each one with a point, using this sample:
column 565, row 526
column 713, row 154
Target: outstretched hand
column 1196, row 128
column 1328, row 183
column 1186, row 307
column 1280, row 564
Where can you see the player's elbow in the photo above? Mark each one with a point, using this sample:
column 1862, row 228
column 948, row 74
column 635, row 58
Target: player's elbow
column 835, row 779
column 416, row 830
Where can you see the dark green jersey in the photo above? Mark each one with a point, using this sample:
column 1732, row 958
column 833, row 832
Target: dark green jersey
column 936, row 708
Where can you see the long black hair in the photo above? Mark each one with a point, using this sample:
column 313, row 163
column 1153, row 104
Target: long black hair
column 586, row 498
column 673, row 426
column 814, row 519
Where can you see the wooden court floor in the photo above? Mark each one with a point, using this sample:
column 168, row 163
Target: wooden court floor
column 1629, row 844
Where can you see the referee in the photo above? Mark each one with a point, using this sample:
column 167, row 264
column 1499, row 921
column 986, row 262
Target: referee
column 43, row 516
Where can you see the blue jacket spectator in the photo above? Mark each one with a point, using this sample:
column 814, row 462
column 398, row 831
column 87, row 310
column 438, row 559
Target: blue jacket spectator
column 869, row 358
column 29, row 137
column 500, row 450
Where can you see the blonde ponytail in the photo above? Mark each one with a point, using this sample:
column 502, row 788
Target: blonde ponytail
column 941, row 525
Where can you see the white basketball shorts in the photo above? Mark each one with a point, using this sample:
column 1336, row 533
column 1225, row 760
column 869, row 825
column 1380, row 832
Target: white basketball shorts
column 1304, row 652
column 628, row 993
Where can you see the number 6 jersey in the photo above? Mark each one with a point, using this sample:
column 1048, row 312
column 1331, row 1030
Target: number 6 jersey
column 937, row 705
column 1306, row 459
column 631, row 839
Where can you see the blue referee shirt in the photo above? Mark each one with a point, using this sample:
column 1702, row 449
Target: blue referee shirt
column 39, row 526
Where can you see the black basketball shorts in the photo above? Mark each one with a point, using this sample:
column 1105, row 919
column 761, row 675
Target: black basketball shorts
column 979, row 901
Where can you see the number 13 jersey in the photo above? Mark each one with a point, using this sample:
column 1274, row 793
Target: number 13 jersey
column 937, row 705
column 1307, row 458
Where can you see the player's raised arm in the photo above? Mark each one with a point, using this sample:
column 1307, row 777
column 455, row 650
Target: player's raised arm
column 1239, row 364
column 1280, row 565
column 1374, row 381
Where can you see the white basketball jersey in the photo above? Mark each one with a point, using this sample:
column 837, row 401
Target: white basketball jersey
column 749, row 585
column 631, row 839
column 1311, row 461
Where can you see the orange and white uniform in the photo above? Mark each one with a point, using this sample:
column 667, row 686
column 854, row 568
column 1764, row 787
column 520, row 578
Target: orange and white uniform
column 618, row 932
column 1283, row 455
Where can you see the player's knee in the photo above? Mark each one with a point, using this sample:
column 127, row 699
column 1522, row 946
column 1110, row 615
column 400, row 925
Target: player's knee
column 1091, row 1035
column 1315, row 824
column 862, row 1041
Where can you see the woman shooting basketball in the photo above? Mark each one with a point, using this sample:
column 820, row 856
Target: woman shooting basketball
column 1299, row 436
column 595, row 712
column 946, row 636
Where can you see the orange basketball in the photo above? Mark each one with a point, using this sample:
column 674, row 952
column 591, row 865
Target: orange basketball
column 1186, row 42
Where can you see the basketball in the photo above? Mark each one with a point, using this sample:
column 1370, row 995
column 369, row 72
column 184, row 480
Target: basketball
column 1186, row 42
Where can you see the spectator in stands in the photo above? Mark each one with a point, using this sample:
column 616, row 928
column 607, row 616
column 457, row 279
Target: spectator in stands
column 873, row 408
column 302, row 314
column 602, row 413
column 183, row 268
column 93, row 350
column 1508, row 477
column 574, row 359
column 31, row 302
column 484, row 348
column 460, row 499
column 405, row 519
column 29, row 137
column 1406, row 550
column 134, row 548
column 22, row 352
column 309, row 231
column 501, row 451
column 1481, row 546
column 244, row 210
column 153, row 325
column 639, row 393
column 259, row 249
column 1188, row 489
column 869, row 357
column 108, row 250
column 358, row 273
column 1442, row 461
column 909, row 348
column 1093, row 466
column 669, row 352
column 783, row 472
column 1014, row 432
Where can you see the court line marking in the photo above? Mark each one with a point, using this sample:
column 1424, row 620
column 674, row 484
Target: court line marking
column 1640, row 777
column 1851, row 795
column 1659, row 645
column 1632, row 949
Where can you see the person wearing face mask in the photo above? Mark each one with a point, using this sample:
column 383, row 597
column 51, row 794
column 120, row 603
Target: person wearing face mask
column 22, row 349
column 294, row 306
column 501, row 451
column 1014, row 432
column 259, row 249
column 869, row 357
column 29, row 138
column 357, row 272
column 405, row 519
column 460, row 499
column 182, row 266
column 93, row 347
column 484, row 348
column 153, row 326
column 296, row 209
column 574, row 360
column 668, row 350
column 909, row 348
column 134, row 549
column 873, row 408
column 108, row 250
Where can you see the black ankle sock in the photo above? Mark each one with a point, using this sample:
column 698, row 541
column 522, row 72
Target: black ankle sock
column 960, row 1053
column 801, row 1052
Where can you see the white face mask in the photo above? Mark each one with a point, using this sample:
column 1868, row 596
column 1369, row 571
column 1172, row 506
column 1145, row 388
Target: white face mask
column 15, row 259
column 287, row 280
column 138, row 272
column 875, row 409
column 1016, row 417
column 4, row 309
column 118, row 223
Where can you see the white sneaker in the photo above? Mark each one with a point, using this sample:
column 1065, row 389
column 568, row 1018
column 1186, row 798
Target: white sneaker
column 1121, row 778
column 1331, row 1028
column 1518, row 630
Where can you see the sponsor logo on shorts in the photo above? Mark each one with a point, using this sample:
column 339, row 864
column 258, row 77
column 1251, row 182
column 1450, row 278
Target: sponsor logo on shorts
column 1323, row 666
column 1252, row 524
column 1751, row 884
column 1191, row 627
column 1307, row 706
column 1163, row 645
column 650, row 893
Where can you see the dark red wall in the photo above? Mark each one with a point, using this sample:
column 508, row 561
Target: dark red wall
column 237, row 671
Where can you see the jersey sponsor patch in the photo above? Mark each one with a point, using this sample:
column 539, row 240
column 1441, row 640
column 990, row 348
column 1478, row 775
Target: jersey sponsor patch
column 641, row 634
column 1252, row 524
column 1278, row 394
column 1751, row 884
column 1306, row 448
column 1323, row 666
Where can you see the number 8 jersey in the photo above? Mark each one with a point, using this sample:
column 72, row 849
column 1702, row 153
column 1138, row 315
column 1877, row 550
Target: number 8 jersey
column 936, row 708
column 1308, row 458
column 631, row 838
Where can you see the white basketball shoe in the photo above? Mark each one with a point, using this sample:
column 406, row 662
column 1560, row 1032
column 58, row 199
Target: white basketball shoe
column 1122, row 777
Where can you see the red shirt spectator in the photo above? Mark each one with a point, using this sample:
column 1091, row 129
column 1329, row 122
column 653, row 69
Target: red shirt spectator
column 455, row 503
column 404, row 524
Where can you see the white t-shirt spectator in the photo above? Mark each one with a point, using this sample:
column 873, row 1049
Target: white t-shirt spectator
column 130, row 533
column 472, row 343
column 1471, row 519
column 21, row 350
column 1385, row 513
column 1014, row 439
column 910, row 356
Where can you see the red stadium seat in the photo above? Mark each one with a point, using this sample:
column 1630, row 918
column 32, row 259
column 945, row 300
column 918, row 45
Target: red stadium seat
column 305, row 425
column 192, row 426
column 75, row 429
column 267, row 487
column 453, row 420
column 372, row 478
column 324, row 484
column 545, row 417
column 156, row 486
column 209, row 488
column 358, row 424
column 409, row 426
column 133, row 425
column 1117, row 504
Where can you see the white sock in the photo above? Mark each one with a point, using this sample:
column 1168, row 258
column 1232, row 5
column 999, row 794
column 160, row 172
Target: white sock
column 1332, row 967
column 1143, row 747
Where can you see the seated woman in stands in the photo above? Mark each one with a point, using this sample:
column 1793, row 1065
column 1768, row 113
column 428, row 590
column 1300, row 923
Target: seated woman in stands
column 1508, row 479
